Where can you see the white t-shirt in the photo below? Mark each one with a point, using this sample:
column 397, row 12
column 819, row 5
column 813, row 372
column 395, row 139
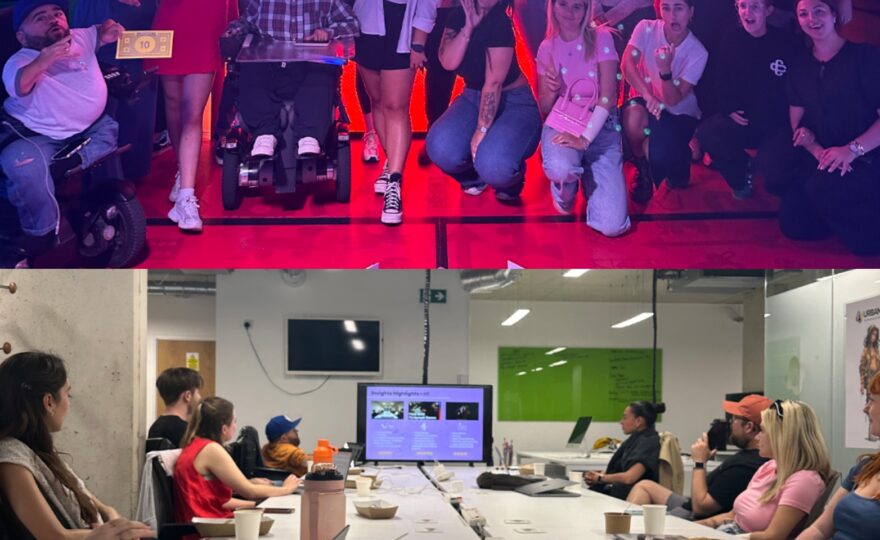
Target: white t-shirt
column 68, row 97
column 687, row 65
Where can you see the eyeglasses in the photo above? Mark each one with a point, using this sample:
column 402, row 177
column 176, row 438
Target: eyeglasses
column 777, row 406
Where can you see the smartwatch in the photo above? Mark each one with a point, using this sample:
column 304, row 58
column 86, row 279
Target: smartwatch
column 699, row 465
column 417, row 47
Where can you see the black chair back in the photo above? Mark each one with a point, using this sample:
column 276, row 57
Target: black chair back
column 158, row 443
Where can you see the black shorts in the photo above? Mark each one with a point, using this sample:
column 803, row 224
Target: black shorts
column 380, row 52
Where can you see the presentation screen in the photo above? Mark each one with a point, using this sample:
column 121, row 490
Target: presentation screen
column 409, row 422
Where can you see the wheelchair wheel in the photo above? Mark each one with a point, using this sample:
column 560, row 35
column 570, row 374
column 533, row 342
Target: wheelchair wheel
column 343, row 172
column 232, row 194
column 113, row 235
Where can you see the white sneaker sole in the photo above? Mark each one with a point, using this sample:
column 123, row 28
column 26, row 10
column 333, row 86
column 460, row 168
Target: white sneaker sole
column 392, row 219
column 379, row 186
column 176, row 218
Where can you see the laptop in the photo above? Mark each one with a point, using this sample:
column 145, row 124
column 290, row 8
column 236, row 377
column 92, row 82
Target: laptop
column 551, row 487
column 578, row 433
column 342, row 462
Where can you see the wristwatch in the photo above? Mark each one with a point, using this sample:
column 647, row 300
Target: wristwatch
column 856, row 148
column 666, row 76
column 417, row 47
column 699, row 465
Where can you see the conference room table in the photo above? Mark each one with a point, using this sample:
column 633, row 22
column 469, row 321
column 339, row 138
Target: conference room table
column 425, row 512
column 598, row 461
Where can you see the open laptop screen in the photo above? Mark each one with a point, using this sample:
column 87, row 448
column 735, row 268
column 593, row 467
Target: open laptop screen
column 579, row 431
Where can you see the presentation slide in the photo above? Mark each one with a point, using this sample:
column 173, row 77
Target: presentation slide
column 409, row 423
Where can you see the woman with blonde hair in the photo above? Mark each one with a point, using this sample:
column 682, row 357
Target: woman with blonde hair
column 854, row 510
column 576, row 55
column 205, row 476
column 784, row 490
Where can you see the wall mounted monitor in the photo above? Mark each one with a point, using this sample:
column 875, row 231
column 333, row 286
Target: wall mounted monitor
column 333, row 347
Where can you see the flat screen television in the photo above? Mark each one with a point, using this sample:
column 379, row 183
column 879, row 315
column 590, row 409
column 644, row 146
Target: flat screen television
column 414, row 422
column 333, row 347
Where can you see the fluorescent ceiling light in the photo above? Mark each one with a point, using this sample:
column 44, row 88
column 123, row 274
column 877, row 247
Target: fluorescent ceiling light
column 358, row 344
column 521, row 373
column 575, row 273
column 559, row 363
column 556, row 350
column 350, row 327
column 633, row 320
column 538, row 369
column 516, row 317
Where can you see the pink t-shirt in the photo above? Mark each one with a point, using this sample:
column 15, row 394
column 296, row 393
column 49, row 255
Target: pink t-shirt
column 568, row 57
column 801, row 491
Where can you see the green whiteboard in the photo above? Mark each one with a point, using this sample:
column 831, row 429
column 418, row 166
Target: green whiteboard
column 591, row 382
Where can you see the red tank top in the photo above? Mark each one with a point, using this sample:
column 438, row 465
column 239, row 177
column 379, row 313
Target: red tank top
column 194, row 495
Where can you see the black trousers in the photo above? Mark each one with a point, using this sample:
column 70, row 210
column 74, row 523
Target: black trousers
column 438, row 81
column 726, row 141
column 817, row 204
column 263, row 89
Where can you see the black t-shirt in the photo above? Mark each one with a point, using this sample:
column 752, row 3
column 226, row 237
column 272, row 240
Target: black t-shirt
column 731, row 478
column 641, row 447
column 495, row 30
column 169, row 427
column 840, row 97
column 752, row 75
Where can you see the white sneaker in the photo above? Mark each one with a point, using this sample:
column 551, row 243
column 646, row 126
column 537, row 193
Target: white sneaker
column 264, row 146
column 392, row 212
column 382, row 181
column 175, row 189
column 308, row 147
column 186, row 214
column 475, row 190
column 370, row 153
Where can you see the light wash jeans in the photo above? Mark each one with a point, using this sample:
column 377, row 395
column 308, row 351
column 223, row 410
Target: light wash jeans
column 600, row 168
column 26, row 179
column 500, row 160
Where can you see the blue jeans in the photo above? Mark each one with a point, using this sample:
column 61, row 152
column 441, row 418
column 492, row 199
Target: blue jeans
column 501, row 156
column 600, row 168
column 25, row 164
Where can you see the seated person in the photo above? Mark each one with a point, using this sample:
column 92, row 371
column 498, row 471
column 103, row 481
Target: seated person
column 783, row 16
column 828, row 180
column 662, row 63
column 638, row 458
column 205, row 476
column 577, row 53
column 264, row 86
column 179, row 389
column 283, row 451
column 40, row 495
column 854, row 510
column 714, row 493
column 784, row 490
column 57, row 95
column 623, row 16
column 751, row 68
column 484, row 138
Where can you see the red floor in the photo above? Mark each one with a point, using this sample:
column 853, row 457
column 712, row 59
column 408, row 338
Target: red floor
column 700, row 227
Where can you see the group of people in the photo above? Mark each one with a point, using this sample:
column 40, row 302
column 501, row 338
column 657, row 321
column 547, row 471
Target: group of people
column 612, row 84
column 767, row 489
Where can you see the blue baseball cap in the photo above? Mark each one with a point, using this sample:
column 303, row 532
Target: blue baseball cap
column 23, row 8
column 279, row 425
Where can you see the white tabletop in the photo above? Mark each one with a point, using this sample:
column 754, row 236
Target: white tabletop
column 558, row 517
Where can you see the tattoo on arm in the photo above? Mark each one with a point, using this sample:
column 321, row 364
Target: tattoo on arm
column 488, row 107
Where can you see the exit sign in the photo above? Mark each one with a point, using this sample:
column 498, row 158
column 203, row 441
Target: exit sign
column 438, row 296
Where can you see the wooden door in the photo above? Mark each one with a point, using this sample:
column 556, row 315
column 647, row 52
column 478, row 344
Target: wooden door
column 198, row 355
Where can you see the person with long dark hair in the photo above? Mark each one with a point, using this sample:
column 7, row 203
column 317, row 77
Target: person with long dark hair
column 638, row 458
column 40, row 495
column 205, row 476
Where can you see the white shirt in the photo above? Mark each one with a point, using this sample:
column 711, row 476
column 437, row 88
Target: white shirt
column 419, row 14
column 69, row 97
column 687, row 65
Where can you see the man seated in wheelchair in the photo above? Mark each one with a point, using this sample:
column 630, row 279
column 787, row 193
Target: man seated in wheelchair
column 263, row 87
column 57, row 97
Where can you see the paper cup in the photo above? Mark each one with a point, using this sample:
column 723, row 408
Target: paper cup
column 617, row 523
column 309, row 465
column 539, row 468
column 247, row 523
column 655, row 518
column 363, row 484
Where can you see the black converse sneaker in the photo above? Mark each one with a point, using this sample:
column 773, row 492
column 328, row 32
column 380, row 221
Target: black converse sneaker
column 392, row 212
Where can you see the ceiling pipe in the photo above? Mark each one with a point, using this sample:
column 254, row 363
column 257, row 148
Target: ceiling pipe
column 480, row 281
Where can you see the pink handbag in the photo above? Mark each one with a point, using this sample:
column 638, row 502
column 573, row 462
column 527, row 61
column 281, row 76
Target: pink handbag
column 571, row 113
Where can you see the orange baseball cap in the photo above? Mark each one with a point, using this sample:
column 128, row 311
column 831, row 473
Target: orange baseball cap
column 749, row 407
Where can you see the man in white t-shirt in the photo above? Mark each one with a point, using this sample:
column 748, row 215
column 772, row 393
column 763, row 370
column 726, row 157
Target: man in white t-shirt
column 57, row 95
